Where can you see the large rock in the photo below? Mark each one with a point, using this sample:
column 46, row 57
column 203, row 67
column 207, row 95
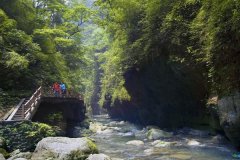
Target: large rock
column 98, row 157
column 229, row 115
column 63, row 148
column 154, row 134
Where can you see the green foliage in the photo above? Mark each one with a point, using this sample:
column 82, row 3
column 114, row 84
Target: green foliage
column 22, row 11
column 199, row 36
column 37, row 46
column 15, row 61
column 25, row 135
column 55, row 118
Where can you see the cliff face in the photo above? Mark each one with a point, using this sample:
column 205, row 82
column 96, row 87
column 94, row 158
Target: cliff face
column 229, row 115
column 164, row 95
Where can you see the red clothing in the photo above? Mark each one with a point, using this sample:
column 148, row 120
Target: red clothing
column 56, row 87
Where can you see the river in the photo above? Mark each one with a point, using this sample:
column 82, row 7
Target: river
column 112, row 136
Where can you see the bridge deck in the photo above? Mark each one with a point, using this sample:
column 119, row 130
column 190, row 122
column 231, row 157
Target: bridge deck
column 26, row 108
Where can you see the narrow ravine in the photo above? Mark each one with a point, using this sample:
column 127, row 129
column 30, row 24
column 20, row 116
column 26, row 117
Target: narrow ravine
column 112, row 138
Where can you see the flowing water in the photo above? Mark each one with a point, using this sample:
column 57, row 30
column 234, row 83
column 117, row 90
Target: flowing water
column 112, row 136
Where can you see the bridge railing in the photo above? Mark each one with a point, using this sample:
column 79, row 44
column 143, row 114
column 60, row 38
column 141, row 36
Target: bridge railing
column 30, row 107
column 49, row 92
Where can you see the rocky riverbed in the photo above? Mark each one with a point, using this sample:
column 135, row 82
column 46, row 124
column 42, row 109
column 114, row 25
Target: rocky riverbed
column 119, row 140
column 126, row 141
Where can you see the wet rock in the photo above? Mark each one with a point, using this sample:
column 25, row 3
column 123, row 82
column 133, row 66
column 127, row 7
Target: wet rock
column 156, row 151
column 135, row 143
column 159, row 143
column 24, row 155
column 121, row 123
column 152, row 127
column 128, row 134
column 115, row 129
column 218, row 139
column 98, row 157
column 154, row 134
column 181, row 156
column 116, row 123
column 96, row 127
column 193, row 143
column 63, row 148
column 106, row 131
column 229, row 115
column 1, row 157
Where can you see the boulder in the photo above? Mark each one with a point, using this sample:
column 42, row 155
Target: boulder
column 98, row 157
column 154, row 134
column 229, row 115
column 135, row 143
column 63, row 148
column 21, row 159
column 1, row 157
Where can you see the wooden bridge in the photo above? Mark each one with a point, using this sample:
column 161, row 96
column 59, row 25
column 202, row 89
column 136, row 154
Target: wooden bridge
column 27, row 108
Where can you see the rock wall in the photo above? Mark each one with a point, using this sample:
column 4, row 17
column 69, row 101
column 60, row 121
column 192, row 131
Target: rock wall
column 229, row 115
column 164, row 95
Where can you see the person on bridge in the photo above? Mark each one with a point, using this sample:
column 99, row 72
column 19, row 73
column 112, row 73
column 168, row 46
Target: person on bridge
column 56, row 89
column 63, row 88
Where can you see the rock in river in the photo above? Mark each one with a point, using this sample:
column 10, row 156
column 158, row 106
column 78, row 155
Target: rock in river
column 63, row 148
column 98, row 157
column 154, row 134
column 193, row 143
column 135, row 143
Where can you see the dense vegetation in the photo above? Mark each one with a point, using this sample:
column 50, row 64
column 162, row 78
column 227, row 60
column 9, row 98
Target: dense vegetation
column 45, row 41
column 40, row 43
column 198, row 38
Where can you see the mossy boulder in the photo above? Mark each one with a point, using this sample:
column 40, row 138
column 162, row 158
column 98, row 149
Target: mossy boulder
column 63, row 148
column 25, row 135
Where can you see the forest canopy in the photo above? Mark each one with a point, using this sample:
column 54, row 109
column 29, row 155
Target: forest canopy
column 43, row 41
